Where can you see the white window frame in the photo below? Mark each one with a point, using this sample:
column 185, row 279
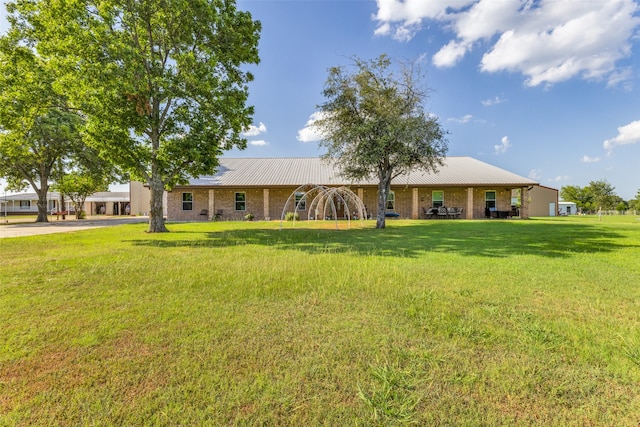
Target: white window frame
column 488, row 201
column 433, row 199
column 300, row 201
column 390, row 205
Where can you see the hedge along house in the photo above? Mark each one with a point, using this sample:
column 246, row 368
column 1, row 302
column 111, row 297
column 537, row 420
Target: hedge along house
column 262, row 186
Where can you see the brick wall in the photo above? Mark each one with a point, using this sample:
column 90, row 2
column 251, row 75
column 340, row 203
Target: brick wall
column 224, row 199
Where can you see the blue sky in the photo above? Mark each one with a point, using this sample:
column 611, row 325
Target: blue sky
column 548, row 89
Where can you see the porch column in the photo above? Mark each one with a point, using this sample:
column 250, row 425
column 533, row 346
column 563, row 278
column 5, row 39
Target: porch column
column 265, row 204
column 524, row 202
column 212, row 204
column 414, row 205
column 469, row 203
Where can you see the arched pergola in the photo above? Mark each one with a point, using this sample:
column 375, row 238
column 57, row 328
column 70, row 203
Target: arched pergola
column 322, row 200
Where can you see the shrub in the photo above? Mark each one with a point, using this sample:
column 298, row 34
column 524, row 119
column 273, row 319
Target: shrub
column 289, row 216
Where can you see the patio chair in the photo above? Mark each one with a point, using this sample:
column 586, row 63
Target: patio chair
column 205, row 214
column 452, row 212
column 218, row 215
column 442, row 212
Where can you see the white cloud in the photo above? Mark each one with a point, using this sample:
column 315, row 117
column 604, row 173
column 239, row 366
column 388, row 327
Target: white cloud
column 449, row 55
column 548, row 41
column 628, row 134
column 504, row 145
column 493, row 101
column 254, row 130
column 560, row 178
column 588, row 159
column 258, row 143
column 310, row 133
column 464, row 119
column 535, row 174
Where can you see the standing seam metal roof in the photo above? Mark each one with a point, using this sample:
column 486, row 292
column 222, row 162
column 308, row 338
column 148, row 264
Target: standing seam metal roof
column 274, row 172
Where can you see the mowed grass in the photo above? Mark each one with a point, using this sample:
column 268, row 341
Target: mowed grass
column 424, row 323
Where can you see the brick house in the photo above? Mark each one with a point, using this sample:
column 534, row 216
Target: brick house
column 263, row 186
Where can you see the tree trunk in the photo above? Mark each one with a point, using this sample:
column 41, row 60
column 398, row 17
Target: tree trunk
column 156, row 214
column 42, row 205
column 383, row 192
column 62, row 205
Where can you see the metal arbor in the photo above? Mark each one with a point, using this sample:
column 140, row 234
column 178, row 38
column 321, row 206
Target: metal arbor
column 324, row 202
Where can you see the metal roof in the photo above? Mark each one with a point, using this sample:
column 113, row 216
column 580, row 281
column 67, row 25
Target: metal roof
column 275, row 172
column 106, row 196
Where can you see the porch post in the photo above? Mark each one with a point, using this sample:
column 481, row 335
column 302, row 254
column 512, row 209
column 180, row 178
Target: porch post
column 212, row 204
column 469, row 203
column 414, row 205
column 265, row 204
column 524, row 203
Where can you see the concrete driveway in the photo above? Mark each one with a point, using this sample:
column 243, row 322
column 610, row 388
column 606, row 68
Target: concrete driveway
column 33, row 229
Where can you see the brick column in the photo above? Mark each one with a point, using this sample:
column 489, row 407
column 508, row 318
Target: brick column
column 415, row 205
column 469, row 213
column 265, row 203
column 212, row 204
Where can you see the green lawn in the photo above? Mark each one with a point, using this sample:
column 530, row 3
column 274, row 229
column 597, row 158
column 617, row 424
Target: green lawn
column 424, row 323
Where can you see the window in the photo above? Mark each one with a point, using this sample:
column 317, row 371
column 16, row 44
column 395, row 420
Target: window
column 490, row 200
column 25, row 204
column 391, row 201
column 187, row 201
column 241, row 202
column 300, row 202
column 437, row 198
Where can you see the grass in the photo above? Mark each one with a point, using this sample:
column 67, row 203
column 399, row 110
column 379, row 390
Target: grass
column 423, row 323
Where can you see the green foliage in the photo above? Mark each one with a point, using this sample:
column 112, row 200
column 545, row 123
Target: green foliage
column 249, row 217
column 40, row 135
column 162, row 82
column 290, row 216
column 597, row 195
column 374, row 123
column 423, row 323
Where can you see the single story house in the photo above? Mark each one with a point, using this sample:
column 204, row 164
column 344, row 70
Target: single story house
column 105, row 203
column 264, row 187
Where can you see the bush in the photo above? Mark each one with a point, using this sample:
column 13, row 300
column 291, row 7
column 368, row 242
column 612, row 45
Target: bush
column 249, row 217
column 289, row 216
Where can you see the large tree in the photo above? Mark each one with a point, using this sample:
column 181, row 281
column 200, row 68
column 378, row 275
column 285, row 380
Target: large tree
column 597, row 195
column 39, row 134
column 374, row 123
column 162, row 82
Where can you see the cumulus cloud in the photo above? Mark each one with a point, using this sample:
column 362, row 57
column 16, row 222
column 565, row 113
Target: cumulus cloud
column 588, row 159
column 254, row 130
column 310, row 133
column 504, row 145
column 535, row 174
column 547, row 41
column 258, row 143
column 628, row 134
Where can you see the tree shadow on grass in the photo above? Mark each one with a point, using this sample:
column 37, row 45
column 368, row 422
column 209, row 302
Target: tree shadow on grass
column 467, row 238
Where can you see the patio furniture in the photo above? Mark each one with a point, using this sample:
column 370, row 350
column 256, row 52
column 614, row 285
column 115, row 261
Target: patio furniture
column 443, row 212
column 218, row 215
column 204, row 213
